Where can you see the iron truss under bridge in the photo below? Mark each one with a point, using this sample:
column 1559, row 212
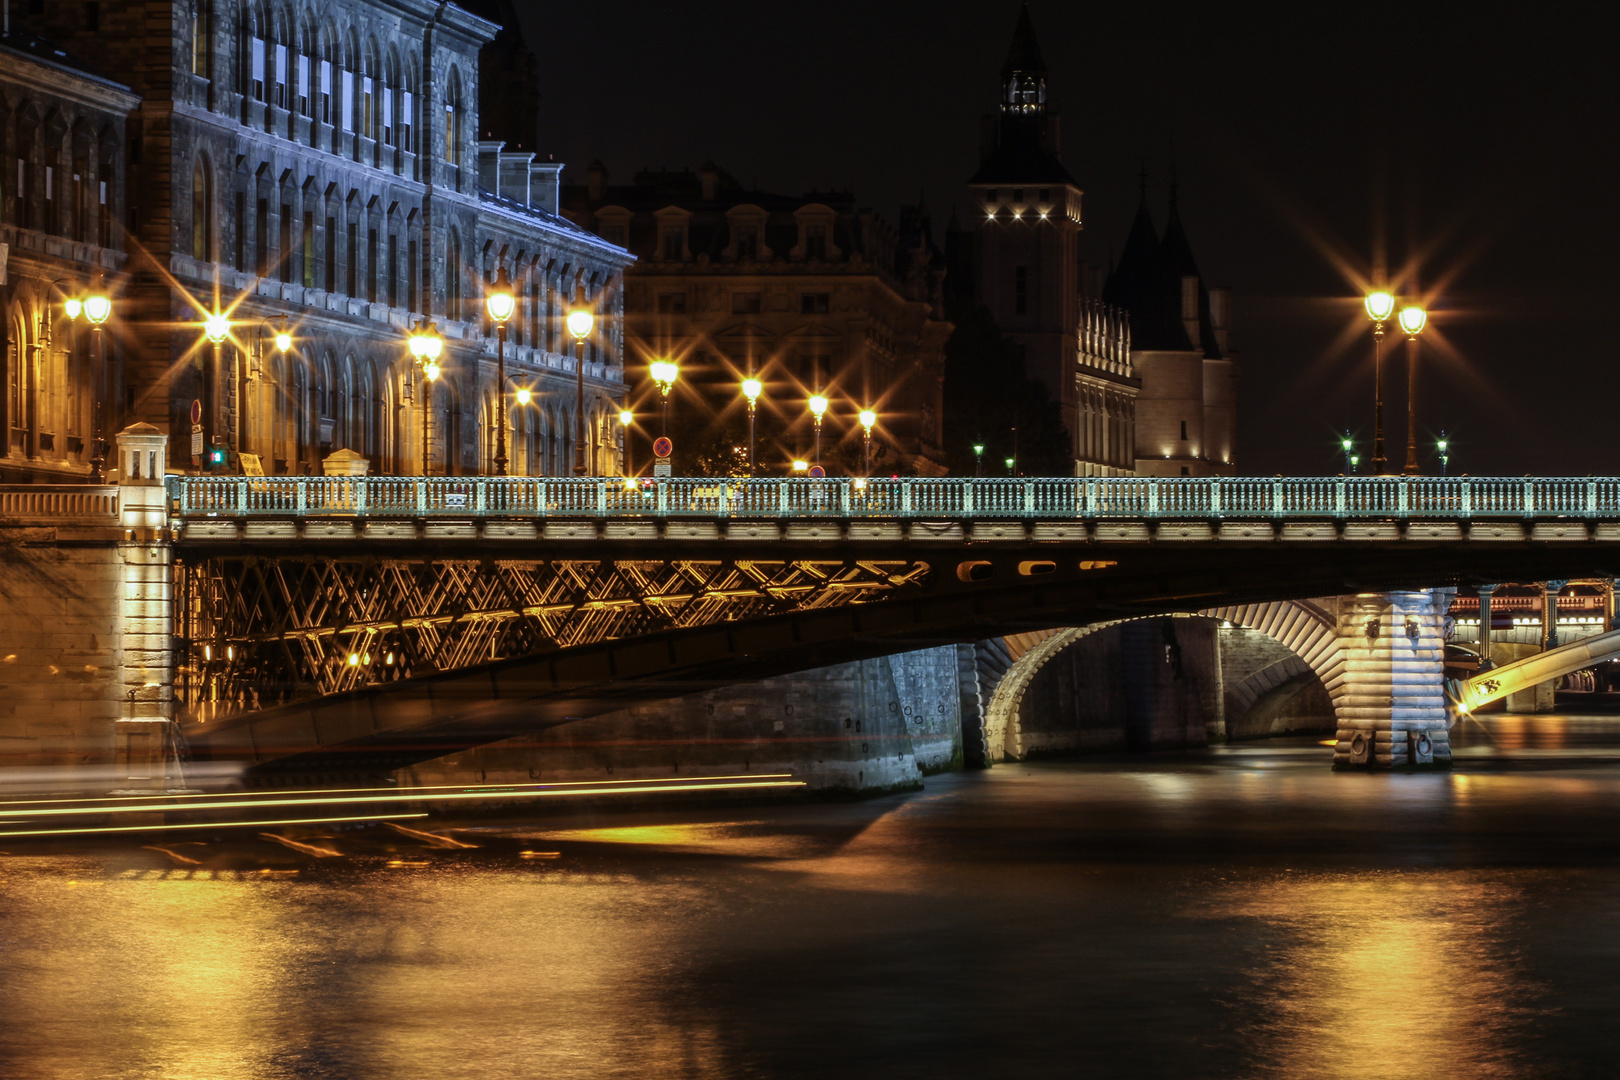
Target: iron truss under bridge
column 414, row 616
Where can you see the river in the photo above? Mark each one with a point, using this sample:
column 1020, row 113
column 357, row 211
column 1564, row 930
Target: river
column 1236, row 912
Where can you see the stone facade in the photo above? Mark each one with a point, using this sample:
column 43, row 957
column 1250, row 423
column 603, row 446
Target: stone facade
column 320, row 169
column 809, row 293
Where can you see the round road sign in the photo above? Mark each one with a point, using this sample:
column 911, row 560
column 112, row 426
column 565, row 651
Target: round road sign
column 817, row 471
column 662, row 447
column 196, row 411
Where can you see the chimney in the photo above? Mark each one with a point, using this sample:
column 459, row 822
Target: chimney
column 710, row 177
column 596, row 178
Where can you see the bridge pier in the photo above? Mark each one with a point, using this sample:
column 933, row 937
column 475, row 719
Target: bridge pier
column 1392, row 713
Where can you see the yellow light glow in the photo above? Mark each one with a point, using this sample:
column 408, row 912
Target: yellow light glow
column 868, row 418
column 664, row 372
column 389, row 659
column 1380, row 304
column 752, row 388
column 210, row 825
column 499, row 301
column 217, row 327
column 283, row 340
column 818, row 405
column 72, row 305
column 524, row 395
column 860, row 483
column 366, row 658
column 629, row 483
column 1413, row 320
column 431, row 371
column 580, row 322
column 800, row 465
column 626, row 417
column 354, row 659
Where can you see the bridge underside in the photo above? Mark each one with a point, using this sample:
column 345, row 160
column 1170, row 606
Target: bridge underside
column 498, row 646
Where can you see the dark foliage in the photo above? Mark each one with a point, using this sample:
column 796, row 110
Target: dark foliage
column 989, row 400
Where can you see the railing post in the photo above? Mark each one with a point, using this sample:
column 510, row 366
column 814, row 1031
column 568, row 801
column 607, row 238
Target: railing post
column 1402, row 496
column 663, row 496
column 1088, row 509
column 478, row 496
column 1591, row 498
column 1529, row 498
column 967, row 497
column 782, row 496
column 241, row 496
column 360, row 496
column 1029, row 498
column 1215, row 496
column 905, row 497
column 1276, row 498
column 1340, row 497
column 303, row 497
column 419, row 498
column 1153, row 498
column 1467, row 498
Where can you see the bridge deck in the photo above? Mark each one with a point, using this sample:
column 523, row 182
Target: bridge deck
column 901, row 499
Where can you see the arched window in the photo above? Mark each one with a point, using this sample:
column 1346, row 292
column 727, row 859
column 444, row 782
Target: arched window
column 359, row 406
column 452, row 118
column 202, row 213
column 202, row 36
column 452, row 276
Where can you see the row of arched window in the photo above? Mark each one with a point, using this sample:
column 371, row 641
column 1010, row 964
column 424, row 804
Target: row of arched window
column 58, row 175
column 308, row 66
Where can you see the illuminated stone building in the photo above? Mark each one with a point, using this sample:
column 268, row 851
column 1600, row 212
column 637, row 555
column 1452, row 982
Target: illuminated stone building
column 325, row 166
column 1144, row 387
column 809, row 292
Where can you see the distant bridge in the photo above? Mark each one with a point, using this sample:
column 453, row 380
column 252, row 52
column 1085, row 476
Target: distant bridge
column 366, row 623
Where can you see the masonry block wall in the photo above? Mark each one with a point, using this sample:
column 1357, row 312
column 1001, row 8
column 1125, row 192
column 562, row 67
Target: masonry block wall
column 61, row 651
column 872, row 726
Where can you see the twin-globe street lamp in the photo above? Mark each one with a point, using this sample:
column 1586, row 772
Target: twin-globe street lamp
column 500, row 302
column 752, row 388
column 97, row 309
column 216, row 328
column 818, row 408
column 426, row 346
column 580, row 321
column 664, row 373
column 867, row 418
column 1380, row 305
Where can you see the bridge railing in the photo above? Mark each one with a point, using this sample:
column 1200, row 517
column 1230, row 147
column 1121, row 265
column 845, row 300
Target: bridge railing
column 1154, row 498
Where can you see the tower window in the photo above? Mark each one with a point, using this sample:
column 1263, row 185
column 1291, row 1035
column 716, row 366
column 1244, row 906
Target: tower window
column 1021, row 292
column 1184, row 431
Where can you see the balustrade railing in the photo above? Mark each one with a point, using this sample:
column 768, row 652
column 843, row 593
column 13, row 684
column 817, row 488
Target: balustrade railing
column 1173, row 498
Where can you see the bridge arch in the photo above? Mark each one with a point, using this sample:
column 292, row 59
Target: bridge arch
column 1304, row 628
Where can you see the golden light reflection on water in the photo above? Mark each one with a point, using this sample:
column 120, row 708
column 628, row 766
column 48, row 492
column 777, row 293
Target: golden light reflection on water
column 1382, row 975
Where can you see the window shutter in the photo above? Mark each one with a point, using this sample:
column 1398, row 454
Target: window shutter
column 326, row 77
column 258, row 60
column 281, row 64
column 303, row 76
column 388, row 109
column 348, row 101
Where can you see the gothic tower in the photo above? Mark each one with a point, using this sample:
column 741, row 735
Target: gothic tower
column 1026, row 209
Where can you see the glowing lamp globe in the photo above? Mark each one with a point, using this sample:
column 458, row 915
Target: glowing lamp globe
column 664, row 372
column 72, row 305
column 626, row 417
column 1413, row 320
column 1380, row 305
column 580, row 322
column 524, row 395
column 818, row 405
column 217, row 327
column 868, row 418
column 283, row 340
column 800, row 466
column 500, row 302
column 752, row 388
column 431, row 371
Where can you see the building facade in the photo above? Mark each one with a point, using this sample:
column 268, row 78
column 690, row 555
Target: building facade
column 1142, row 389
column 318, row 169
column 810, row 294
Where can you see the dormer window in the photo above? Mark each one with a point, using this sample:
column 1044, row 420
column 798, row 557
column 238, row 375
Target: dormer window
column 673, row 243
column 815, row 242
column 748, row 242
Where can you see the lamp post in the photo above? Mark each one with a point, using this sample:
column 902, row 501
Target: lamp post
column 1444, row 446
column 978, row 459
column 426, row 347
column 500, row 302
column 1348, row 447
column 868, row 418
column 1413, row 319
column 627, row 420
column 818, row 409
column 580, row 321
column 751, row 389
column 1010, row 467
column 217, row 327
column 1355, row 464
column 1380, row 304
column 98, row 309
column 664, row 373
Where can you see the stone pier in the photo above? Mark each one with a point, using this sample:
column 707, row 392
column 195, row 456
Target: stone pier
column 1392, row 713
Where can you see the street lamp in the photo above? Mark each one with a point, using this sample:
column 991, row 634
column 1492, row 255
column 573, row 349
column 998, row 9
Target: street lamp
column 867, row 418
column 627, row 420
column 1413, row 319
column 978, row 459
column 751, row 389
column 1444, row 446
column 97, row 309
column 1348, row 446
column 664, row 373
column 818, row 409
column 426, row 347
column 800, row 465
column 216, row 327
column 580, row 321
column 1380, row 304
column 500, row 302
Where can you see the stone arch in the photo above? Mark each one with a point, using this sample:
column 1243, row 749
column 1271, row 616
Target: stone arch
column 1299, row 625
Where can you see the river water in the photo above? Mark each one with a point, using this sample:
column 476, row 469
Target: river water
column 1238, row 912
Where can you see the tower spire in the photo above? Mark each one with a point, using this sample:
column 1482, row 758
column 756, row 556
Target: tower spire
column 1023, row 76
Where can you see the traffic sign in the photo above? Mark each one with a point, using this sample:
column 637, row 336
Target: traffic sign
column 196, row 411
column 662, row 447
column 817, row 471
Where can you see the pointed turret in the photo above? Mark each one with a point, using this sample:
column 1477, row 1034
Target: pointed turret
column 1142, row 285
column 1023, row 76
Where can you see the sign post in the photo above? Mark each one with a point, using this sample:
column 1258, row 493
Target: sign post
column 662, row 448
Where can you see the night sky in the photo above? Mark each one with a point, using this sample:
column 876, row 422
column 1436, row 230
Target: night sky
column 1476, row 142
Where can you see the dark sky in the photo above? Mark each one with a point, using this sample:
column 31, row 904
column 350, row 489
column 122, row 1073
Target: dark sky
column 1478, row 140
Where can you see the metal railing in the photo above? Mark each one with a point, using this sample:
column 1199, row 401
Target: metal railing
column 1169, row 499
